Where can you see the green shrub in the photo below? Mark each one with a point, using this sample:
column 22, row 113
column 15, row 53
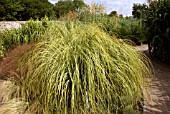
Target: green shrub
column 121, row 27
column 2, row 49
column 124, row 28
column 157, row 27
column 78, row 69
column 30, row 32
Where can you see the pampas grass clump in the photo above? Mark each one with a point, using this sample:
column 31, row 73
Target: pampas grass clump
column 80, row 69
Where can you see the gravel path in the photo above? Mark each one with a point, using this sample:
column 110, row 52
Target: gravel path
column 159, row 92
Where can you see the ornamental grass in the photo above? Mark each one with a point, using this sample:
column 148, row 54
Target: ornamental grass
column 79, row 69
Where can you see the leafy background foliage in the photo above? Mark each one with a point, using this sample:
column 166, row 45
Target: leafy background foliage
column 25, row 9
column 157, row 25
column 10, row 10
column 29, row 32
column 73, row 10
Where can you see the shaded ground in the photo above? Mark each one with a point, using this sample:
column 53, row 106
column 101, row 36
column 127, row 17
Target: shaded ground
column 159, row 92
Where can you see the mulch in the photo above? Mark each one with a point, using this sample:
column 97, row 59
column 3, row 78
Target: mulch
column 9, row 64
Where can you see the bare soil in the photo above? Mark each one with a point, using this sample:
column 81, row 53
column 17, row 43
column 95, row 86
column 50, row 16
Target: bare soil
column 9, row 64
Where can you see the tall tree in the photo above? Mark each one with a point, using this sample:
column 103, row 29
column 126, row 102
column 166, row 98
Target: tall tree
column 25, row 9
column 63, row 7
column 157, row 26
column 113, row 13
column 10, row 10
column 138, row 10
column 37, row 9
column 121, row 16
column 78, row 4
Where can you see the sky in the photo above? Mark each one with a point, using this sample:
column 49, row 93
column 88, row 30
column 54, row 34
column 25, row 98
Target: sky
column 121, row 6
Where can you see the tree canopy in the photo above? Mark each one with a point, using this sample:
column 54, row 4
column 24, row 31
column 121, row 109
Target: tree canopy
column 25, row 9
column 63, row 7
column 113, row 13
column 11, row 10
column 138, row 10
column 37, row 9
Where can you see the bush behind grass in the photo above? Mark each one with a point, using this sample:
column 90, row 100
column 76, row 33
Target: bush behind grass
column 123, row 28
column 78, row 68
column 157, row 26
column 30, row 32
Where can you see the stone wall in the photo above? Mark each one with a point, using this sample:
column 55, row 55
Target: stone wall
column 10, row 24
